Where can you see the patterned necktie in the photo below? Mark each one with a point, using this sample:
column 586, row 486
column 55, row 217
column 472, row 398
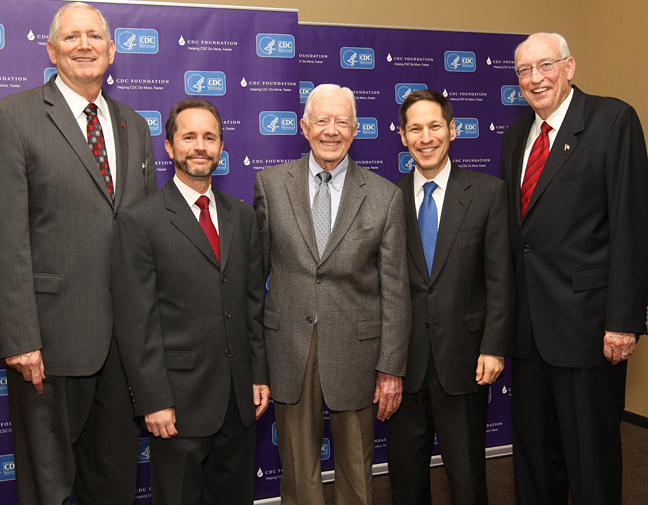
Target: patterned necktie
column 98, row 146
column 537, row 159
column 208, row 225
column 428, row 220
column 322, row 211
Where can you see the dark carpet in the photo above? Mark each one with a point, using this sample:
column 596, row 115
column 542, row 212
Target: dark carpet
column 499, row 472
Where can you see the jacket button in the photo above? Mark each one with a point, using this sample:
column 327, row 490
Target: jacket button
column 227, row 353
column 224, row 280
column 426, row 325
column 527, row 248
column 227, row 315
column 431, row 291
column 309, row 320
column 319, row 280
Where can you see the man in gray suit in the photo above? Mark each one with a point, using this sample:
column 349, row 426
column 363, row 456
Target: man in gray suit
column 461, row 282
column 71, row 413
column 337, row 314
column 188, row 293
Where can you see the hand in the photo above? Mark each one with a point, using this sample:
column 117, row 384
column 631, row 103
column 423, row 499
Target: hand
column 388, row 395
column 618, row 347
column 30, row 365
column 489, row 369
column 162, row 423
column 261, row 397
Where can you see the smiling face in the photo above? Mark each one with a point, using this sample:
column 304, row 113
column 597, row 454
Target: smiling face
column 83, row 52
column 544, row 91
column 330, row 128
column 196, row 147
column 427, row 135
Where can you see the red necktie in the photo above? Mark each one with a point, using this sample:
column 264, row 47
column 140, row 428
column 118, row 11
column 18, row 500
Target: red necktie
column 98, row 146
column 208, row 225
column 537, row 159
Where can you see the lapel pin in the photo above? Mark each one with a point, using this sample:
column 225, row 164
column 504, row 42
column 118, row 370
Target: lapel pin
column 123, row 124
column 566, row 146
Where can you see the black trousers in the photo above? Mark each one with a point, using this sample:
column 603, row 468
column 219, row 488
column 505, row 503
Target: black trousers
column 459, row 423
column 217, row 469
column 80, row 433
column 566, row 436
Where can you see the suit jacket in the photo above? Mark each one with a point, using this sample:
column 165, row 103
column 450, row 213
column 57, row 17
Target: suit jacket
column 57, row 227
column 357, row 291
column 465, row 307
column 185, row 324
column 580, row 255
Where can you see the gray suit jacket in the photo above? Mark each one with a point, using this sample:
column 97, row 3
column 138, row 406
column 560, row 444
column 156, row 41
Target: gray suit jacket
column 186, row 325
column 465, row 308
column 358, row 291
column 57, row 227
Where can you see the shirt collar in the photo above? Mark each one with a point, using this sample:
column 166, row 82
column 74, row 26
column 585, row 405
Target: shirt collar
column 337, row 174
column 441, row 178
column 557, row 117
column 77, row 103
column 191, row 195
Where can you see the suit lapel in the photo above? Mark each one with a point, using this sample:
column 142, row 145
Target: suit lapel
column 414, row 243
column 455, row 205
column 225, row 226
column 297, row 189
column 353, row 194
column 185, row 221
column 62, row 117
column 574, row 123
column 120, row 133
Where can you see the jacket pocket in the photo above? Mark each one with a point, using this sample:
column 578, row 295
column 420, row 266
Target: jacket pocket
column 369, row 329
column 271, row 319
column 476, row 321
column 46, row 283
column 590, row 279
column 179, row 360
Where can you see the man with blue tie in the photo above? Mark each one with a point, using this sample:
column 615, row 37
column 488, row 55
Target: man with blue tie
column 461, row 286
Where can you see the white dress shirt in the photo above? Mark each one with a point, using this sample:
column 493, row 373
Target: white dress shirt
column 191, row 196
column 441, row 180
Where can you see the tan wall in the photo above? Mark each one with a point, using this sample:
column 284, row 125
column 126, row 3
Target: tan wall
column 607, row 39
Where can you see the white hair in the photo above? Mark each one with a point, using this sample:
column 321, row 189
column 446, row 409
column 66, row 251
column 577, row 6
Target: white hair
column 55, row 25
column 560, row 41
column 329, row 90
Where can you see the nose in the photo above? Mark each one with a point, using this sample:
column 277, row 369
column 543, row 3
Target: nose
column 84, row 42
column 331, row 128
column 426, row 135
column 535, row 76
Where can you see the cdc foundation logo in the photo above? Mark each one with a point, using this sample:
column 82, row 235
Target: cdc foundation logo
column 467, row 127
column 405, row 163
column 460, row 61
column 136, row 40
column 205, row 83
column 367, row 128
column 357, row 57
column 2, row 37
column 275, row 45
column 511, row 95
column 223, row 165
column 3, row 382
column 305, row 89
column 403, row 90
column 278, row 123
column 7, row 467
column 48, row 73
column 154, row 120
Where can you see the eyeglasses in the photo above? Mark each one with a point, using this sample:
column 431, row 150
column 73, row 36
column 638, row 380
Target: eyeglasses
column 543, row 67
column 340, row 123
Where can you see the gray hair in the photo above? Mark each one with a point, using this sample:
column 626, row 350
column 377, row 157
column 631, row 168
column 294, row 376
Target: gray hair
column 328, row 90
column 560, row 41
column 55, row 26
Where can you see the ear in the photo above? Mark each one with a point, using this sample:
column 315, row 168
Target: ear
column 453, row 131
column 168, row 146
column 51, row 52
column 304, row 128
column 570, row 63
column 111, row 52
column 403, row 137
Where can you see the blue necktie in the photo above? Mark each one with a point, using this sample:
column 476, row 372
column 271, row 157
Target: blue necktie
column 428, row 223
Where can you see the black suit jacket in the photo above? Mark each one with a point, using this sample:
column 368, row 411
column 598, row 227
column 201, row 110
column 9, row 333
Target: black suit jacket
column 580, row 255
column 185, row 324
column 57, row 227
column 465, row 307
